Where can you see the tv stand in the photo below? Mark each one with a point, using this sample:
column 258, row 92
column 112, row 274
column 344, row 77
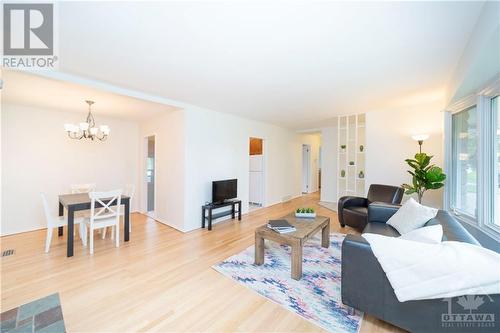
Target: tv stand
column 213, row 216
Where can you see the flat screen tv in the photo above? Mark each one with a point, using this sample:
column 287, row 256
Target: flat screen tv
column 223, row 190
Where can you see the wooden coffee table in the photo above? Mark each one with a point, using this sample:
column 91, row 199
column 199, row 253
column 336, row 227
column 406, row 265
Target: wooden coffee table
column 306, row 228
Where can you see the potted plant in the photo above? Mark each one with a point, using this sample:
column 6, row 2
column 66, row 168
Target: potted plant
column 361, row 175
column 342, row 173
column 351, row 163
column 425, row 176
column 361, row 148
column 305, row 213
column 343, row 148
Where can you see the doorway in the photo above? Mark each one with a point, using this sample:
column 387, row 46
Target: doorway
column 150, row 176
column 256, row 174
column 306, row 168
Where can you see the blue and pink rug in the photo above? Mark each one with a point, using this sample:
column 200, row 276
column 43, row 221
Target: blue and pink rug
column 316, row 297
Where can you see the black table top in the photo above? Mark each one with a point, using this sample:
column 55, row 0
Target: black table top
column 79, row 198
column 222, row 204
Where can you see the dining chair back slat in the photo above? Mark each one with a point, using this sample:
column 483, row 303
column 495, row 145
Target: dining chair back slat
column 104, row 212
column 107, row 210
column 82, row 188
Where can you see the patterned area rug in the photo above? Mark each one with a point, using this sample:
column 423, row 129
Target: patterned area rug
column 41, row 316
column 316, row 297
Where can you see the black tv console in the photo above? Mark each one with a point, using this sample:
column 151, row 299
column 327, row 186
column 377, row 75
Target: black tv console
column 213, row 216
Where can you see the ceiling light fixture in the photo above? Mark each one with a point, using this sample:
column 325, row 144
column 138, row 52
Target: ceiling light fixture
column 87, row 129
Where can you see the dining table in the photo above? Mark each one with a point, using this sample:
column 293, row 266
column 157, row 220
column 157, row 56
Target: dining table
column 81, row 201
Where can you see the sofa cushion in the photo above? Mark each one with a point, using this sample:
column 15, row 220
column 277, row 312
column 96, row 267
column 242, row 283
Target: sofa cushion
column 355, row 217
column 411, row 216
column 452, row 229
column 432, row 234
column 381, row 229
column 358, row 210
column 385, row 193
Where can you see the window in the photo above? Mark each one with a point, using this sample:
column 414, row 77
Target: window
column 473, row 160
column 496, row 161
column 464, row 162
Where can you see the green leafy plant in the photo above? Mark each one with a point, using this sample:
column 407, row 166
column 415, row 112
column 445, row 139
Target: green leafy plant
column 304, row 210
column 425, row 176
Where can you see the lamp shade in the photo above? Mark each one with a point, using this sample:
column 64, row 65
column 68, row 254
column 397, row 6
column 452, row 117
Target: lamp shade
column 105, row 129
column 84, row 126
column 420, row 137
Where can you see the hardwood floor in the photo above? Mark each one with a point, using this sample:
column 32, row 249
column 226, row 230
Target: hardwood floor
column 160, row 281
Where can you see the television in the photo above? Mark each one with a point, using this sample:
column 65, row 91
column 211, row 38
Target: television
column 223, row 190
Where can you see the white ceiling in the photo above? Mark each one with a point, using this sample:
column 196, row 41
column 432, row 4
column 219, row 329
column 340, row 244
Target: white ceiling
column 33, row 90
column 290, row 63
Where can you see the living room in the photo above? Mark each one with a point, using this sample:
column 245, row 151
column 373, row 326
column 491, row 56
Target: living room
column 343, row 96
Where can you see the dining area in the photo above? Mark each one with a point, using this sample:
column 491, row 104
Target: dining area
column 91, row 210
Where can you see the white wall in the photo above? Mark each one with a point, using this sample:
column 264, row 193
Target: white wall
column 37, row 156
column 389, row 143
column 479, row 62
column 329, row 139
column 217, row 148
column 314, row 141
column 169, row 132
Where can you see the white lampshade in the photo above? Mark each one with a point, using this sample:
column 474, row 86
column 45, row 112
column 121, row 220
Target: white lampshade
column 84, row 126
column 105, row 129
column 420, row 137
column 68, row 127
column 93, row 130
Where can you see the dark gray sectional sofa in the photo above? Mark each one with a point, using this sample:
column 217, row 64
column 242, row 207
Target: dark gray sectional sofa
column 366, row 287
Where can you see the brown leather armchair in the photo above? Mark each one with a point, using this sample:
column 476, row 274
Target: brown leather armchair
column 353, row 211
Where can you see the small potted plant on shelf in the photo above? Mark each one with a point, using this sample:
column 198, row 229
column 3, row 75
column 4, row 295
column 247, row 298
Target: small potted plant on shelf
column 351, row 163
column 361, row 175
column 343, row 148
column 305, row 213
column 361, row 148
column 342, row 173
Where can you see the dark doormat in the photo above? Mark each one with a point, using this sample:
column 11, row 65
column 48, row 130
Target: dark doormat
column 41, row 316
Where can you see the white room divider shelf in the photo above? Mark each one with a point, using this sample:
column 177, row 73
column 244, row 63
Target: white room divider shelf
column 351, row 155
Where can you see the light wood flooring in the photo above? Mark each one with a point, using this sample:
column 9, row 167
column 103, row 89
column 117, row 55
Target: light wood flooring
column 160, row 281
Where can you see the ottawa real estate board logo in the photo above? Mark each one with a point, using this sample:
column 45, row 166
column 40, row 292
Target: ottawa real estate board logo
column 470, row 312
column 28, row 36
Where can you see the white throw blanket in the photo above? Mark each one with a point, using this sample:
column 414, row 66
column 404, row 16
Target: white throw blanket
column 425, row 271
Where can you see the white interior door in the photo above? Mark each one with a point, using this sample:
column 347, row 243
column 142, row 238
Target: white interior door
column 306, row 168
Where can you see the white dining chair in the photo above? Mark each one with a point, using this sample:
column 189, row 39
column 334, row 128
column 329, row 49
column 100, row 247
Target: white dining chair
column 82, row 188
column 129, row 191
column 54, row 221
column 108, row 215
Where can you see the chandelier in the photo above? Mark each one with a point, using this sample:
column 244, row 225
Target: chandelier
column 88, row 129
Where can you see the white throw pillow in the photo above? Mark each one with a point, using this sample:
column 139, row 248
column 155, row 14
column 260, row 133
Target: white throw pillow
column 432, row 234
column 411, row 216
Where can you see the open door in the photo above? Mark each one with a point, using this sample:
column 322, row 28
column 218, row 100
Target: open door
column 256, row 174
column 306, row 168
column 150, row 177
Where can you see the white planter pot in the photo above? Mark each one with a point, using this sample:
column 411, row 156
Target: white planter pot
column 305, row 215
